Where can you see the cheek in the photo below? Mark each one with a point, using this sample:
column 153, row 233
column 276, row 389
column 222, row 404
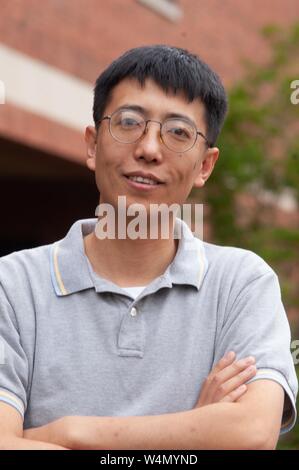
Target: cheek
column 185, row 174
column 107, row 170
column 185, row 184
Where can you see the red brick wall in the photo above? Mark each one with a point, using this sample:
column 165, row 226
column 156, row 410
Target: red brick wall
column 83, row 36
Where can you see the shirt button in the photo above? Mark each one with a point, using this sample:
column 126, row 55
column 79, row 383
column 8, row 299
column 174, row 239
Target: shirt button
column 133, row 312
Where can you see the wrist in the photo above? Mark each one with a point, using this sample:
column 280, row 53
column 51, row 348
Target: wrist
column 73, row 432
column 60, row 432
column 63, row 432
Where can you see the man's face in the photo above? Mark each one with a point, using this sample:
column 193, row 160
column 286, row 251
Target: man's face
column 112, row 161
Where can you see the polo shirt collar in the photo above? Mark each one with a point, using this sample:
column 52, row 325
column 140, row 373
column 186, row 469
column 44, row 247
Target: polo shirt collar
column 190, row 263
column 68, row 262
column 71, row 271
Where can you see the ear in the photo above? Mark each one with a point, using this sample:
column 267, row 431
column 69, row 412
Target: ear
column 206, row 167
column 91, row 147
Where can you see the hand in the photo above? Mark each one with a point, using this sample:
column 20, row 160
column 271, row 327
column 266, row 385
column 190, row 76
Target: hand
column 226, row 382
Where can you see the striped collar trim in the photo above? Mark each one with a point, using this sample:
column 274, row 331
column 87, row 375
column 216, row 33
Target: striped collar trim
column 68, row 262
column 56, row 276
column 69, row 265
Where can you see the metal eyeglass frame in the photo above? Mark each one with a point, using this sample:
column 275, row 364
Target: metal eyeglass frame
column 161, row 137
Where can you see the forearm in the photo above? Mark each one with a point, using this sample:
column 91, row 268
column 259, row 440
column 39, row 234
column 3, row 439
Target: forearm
column 217, row 426
column 19, row 443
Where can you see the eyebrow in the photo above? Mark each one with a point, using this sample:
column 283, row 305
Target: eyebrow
column 142, row 110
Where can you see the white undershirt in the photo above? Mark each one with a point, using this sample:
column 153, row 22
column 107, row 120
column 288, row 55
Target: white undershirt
column 134, row 291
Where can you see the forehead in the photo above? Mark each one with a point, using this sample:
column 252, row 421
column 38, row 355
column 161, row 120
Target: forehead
column 154, row 100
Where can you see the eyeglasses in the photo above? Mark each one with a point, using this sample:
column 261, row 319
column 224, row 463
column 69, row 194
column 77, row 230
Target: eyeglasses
column 128, row 126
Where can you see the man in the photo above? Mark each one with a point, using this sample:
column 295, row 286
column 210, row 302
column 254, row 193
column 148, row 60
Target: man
column 119, row 342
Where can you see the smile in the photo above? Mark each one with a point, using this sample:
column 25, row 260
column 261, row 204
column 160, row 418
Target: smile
column 140, row 179
column 141, row 183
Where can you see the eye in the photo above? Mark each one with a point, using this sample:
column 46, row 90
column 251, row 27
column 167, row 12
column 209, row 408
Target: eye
column 178, row 130
column 180, row 133
column 129, row 122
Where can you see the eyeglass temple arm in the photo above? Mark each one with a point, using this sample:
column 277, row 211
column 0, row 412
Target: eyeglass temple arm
column 202, row 135
column 103, row 118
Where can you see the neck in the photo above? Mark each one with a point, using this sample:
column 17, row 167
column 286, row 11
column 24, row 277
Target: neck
column 128, row 262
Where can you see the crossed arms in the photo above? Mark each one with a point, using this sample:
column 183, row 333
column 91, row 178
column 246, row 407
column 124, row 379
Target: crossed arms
column 226, row 416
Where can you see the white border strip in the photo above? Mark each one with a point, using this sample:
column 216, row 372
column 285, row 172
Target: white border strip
column 45, row 90
column 2, row 92
column 166, row 8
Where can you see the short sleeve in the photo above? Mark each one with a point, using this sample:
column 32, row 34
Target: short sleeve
column 13, row 360
column 255, row 323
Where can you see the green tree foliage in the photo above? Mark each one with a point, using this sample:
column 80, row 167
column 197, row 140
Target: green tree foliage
column 259, row 161
column 259, row 155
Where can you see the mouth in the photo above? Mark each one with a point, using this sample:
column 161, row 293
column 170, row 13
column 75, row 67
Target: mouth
column 143, row 183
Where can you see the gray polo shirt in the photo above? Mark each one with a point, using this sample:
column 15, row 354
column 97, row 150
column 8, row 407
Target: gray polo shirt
column 77, row 344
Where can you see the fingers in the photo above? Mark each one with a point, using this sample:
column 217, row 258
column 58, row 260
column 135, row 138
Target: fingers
column 224, row 362
column 235, row 394
column 238, row 380
column 235, row 368
column 228, row 376
column 226, row 382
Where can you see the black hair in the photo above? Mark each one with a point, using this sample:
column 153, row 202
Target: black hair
column 174, row 70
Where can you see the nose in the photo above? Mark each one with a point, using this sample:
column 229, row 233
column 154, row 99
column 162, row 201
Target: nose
column 149, row 146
